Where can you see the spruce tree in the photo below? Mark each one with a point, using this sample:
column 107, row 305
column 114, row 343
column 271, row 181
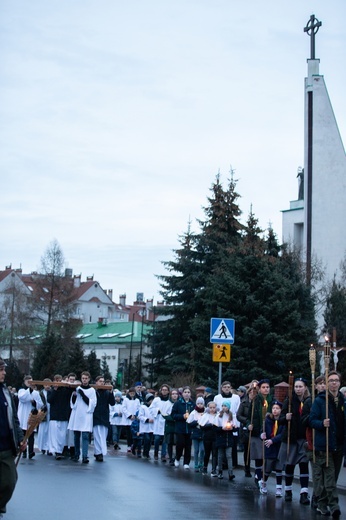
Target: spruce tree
column 236, row 272
column 171, row 344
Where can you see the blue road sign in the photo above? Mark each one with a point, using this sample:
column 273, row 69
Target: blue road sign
column 222, row 330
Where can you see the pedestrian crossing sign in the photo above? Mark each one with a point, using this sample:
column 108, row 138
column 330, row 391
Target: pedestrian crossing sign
column 222, row 330
column 221, row 353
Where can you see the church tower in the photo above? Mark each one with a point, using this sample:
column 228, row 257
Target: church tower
column 316, row 221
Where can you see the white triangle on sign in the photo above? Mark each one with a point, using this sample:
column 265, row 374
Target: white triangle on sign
column 222, row 332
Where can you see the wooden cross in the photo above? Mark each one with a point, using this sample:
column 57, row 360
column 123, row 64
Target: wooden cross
column 312, row 28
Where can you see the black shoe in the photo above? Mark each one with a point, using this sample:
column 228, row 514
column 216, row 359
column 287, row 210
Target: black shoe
column 323, row 512
column 24, row 455
column 220, row 475
column 58, row 456
column 288, row 496
column 171, row 462
column 99, row 458
column 231, row 477
column 75, row 459
column 336, row 513
column 32, row 455
column 304, row 499
column 248, row 474
column 85, row 460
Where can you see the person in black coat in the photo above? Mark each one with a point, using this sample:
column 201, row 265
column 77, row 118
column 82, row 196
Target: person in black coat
column 180, row 413
column 11, row 441
column 243, row 418
column 105, row 399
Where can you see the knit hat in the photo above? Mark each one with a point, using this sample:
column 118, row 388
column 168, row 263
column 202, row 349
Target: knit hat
column 118, row 394
column 200, row 401
column 149, row 397
column 242, row 389
column 227, row 403
column 138, row 383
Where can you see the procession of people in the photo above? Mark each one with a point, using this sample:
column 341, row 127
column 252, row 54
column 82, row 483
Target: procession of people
column 175, row 426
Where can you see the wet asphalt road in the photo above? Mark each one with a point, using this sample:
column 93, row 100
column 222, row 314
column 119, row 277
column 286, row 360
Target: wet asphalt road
column 126, row 488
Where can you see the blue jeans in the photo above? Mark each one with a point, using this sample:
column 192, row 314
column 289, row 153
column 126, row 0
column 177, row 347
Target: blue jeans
column 116, row 432
column 85, row 444
column 157, row 440
column 198, row 452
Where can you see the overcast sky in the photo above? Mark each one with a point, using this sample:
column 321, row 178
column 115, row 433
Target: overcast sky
column 117, row 115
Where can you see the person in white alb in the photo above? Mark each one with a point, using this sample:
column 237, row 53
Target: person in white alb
column 83, row 403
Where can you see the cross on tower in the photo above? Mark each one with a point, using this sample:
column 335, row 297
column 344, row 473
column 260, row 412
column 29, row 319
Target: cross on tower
column 312, row 28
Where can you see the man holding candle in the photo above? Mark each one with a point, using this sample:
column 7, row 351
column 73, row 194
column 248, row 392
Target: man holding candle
column 327, row 468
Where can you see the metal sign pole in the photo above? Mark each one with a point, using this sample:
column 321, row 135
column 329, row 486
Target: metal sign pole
column 220, row 377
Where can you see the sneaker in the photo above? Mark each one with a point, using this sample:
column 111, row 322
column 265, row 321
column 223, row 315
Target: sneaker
column 156, row 457
column 129, row 449
column 288, row 496
column 304, row 499
column 257, row 481
column 220, row 475
column 278, row 493
column 204, row 471
column 263, row 488
column 85, row 460
column 323, row 512
column 163, row 459
column 139, row 456
column 196, row 470
column 171, row 462
column 231, row 477
column 176, row 463
column 213, row 474
column 186, row 466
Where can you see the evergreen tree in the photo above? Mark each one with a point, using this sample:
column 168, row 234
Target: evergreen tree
column 93, row 365
column 171, row 343
column 105, row 368
column 58, row 355
column 184, row 338
column 335, row 312
column 237, row 273
column 48, row 357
